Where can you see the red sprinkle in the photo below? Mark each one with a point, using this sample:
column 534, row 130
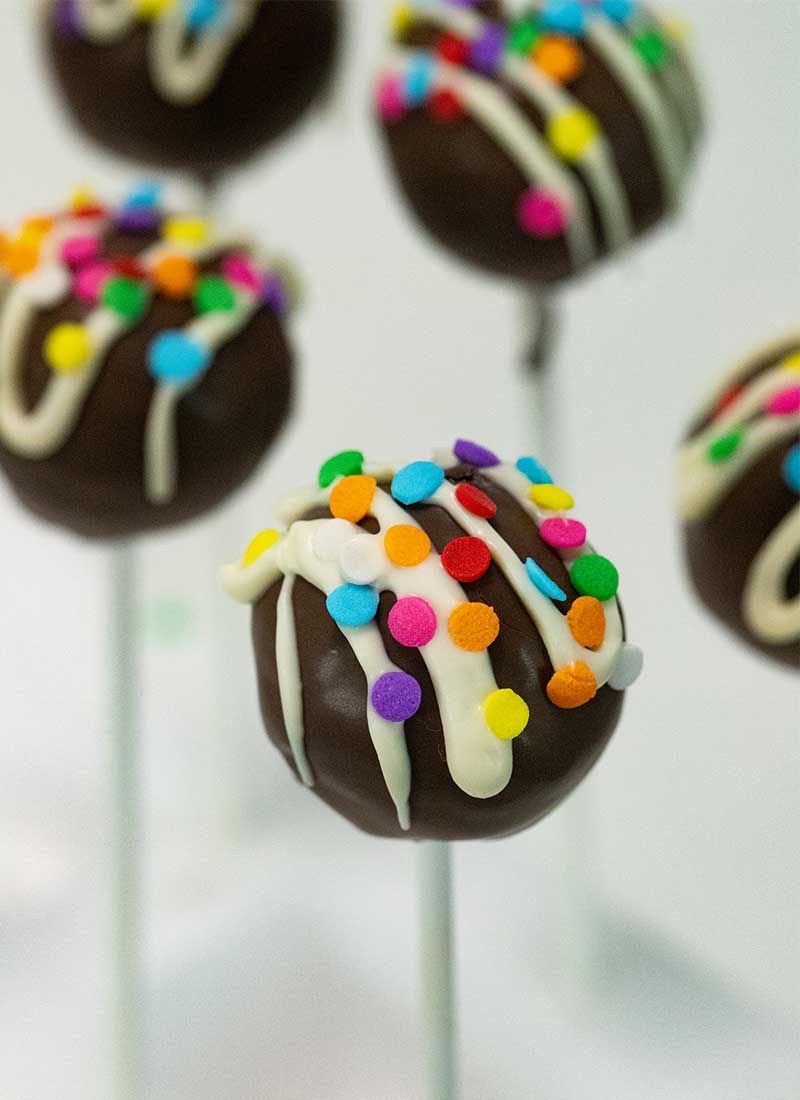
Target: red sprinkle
column 466, row 559
column 446, row 106
column 94, row 210
column 475, row 500
column 727, row 400
column 127, row 265
column 453, row 49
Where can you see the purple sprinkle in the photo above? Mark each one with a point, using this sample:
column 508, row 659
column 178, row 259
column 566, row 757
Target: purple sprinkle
column 66, row 19
column 486, row 52
column 474, row 455
column 139, row 219
column 396, row 696
column 274, row 294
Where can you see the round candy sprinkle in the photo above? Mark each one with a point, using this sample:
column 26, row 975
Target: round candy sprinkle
column 784, row 403
column 564, row 15
column 473, row 626
column 416, row 482
column 175, row 276
column 412, row 622
column 67, row 348
column 48, row 285
column 627, row 668
column 558, row 57
column 396, row 696
column 727, row 401
column 124, row 296
column 619, row 10
column 453, row 49
column 652, row 48
column 726, row 446
column 523, row 35
column 418, row 81
column 541, row 214
column 572, row 132
column 406, row 545
column 792, row 362
column 77, row 251
column 791, row 468
column 402, row 19
column 203, row 14
column 352, row 604
column 340, row 465
column 361, row 560
column 175, row 357
column 21, row 257
column 563, row 534
column 551, row 497
column 587, row 621
column 389, row 99
column 138, row 219
column 506, row 713
column 214, row 294
column 543, row 582
column 475, row 500
column 466, row 559
column 445, row 105
column 534, row 471
column 329, row 539
column 37, row 228
column 239, row 270
column 474, row 455
column 351, row 498
column 130, row 267
column 572, row 686
column 149, row 192
column 90, row 280
column 486, row 51
column 278, row 295
column 594, row 575
column 259, row 545
column 187, row 230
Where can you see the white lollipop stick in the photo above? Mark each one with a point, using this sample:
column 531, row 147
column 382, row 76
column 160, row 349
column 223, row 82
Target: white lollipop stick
column 436, row 955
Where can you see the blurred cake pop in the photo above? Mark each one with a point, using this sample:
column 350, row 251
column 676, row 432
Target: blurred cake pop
column 440, row 653
column 533, row 146
column 739, row 501
column 200, row 85
column 144, row 369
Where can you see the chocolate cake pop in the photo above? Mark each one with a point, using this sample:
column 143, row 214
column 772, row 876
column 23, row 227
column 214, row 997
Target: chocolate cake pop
column 440, row 654
column 200, row 85
column 738, row 499
column 533, row 146
column 144, row 369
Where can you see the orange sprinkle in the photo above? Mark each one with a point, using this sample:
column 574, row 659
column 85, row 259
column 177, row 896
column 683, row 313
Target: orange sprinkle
column 3, row 248
column 572, row 686
column 558, row 57
column 22, row 257
column 473, row 626
column 35, row 229
column 406, row 545
column 587, row 621
column 175, row 276
column 351, row 498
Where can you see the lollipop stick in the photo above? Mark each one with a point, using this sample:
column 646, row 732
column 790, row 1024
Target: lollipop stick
column 126, row 863
column 436, row 944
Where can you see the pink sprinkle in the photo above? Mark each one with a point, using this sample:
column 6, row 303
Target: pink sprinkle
column 785, row 402
column 390, row 99
column 89, row 281
column 412, row 621
column 77, row 251
column 541, row 214
column 563, row 534
column 238, row 268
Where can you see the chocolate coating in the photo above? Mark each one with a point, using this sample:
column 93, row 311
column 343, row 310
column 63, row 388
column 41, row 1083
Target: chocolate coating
column 550, row 757
column 274, row 73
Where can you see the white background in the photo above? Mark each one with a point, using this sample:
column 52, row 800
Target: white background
column 281, row 943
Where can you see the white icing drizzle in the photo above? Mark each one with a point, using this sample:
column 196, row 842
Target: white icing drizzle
column 479, row 762
column 181, row 72
column 766, row 609
column 40, row 432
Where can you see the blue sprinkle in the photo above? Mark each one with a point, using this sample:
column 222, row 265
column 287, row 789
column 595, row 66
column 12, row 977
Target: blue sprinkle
column 175, row 357
column 534, row 471
column 419, row 79
column 567, row 16
column 544, row 583
column 148, row 193
column 203, row 14
column 352, row 604
column 618, row 10
column 791, row 468
column 416, row 482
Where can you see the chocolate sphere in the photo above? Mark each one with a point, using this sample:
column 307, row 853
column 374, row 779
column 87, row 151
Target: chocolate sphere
column 532, row 147
column 739, row 481
column 144, row 369
column 439, row 652
column 201, row 85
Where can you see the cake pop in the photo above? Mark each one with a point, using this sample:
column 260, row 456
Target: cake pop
column 200, row 85
column 739, row 480
column 531, row 147
column 440, row 653
column 144, row 369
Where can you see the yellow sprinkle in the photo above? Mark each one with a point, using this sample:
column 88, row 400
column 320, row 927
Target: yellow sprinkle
column 402, row 19
column 551, row 497
column 81, row 197
column 187, row 230
column 34, row 230
column 259, row 545
column 152, row 9
column 506, row 713
column 792, row 362
column 572, row 132
column 67, row 348
column 678, row 29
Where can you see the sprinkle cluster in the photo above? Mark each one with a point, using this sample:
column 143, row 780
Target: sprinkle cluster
column 124, row 284
column 784, row 403
column 201, row 16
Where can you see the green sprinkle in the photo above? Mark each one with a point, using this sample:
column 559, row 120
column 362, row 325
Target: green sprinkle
column 652, row 48
column 127, row 297
column 593, row 575
column 214, row 294
column 344, row 464
column 726, row 446
column 523, row 36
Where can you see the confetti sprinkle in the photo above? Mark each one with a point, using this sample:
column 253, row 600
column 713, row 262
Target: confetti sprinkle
column 418, row 82
column 466, row 559
column 340, row 465
column 473, row 626
column 416, row 482
column 214, row 294
column 175, row 276
column 558, row 57
column 572, row 686
column 594, row 575
column 351, row 498
column 726, row 446
column 126, row 297
column 474, row 500
column 572, row 132
column 486, row 51
column 175, row 357
column 587, row 621
column 551, row 498
column 412, row 622
column 90, row 280
column 474, row 455
column 564, row 15
column 67, row 348
column 784, row 403
column 541, row 214
column 533, row 470
column 396, row 696
column 563, row 534
column 259, row 545
column 77, row 251
column 506, row 713
column 546, row 585
column 791, row 468
column 352, row 605
column 389, row 99
column 406, row 545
